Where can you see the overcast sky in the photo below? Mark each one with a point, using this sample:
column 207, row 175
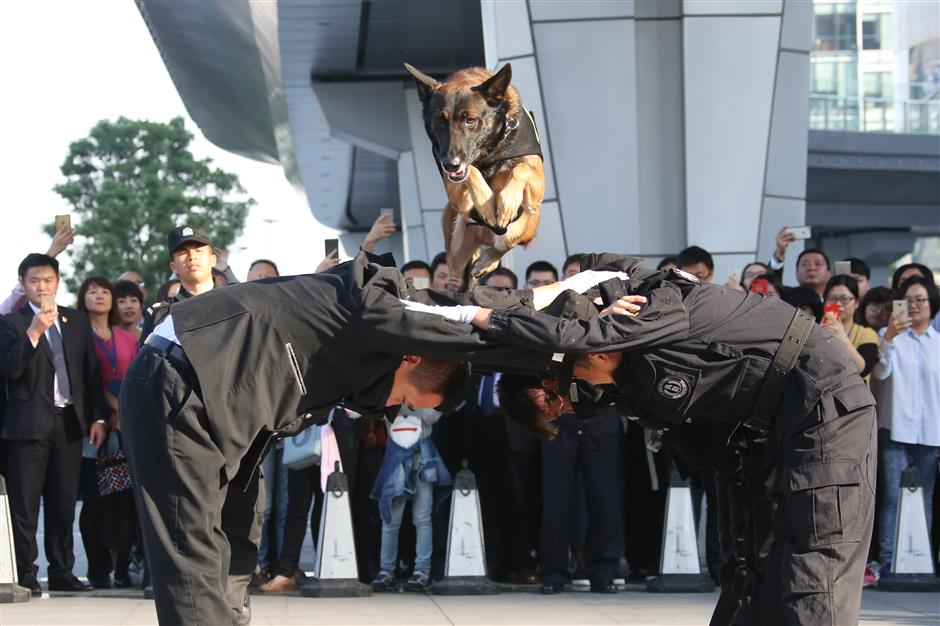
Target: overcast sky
column 67, row 65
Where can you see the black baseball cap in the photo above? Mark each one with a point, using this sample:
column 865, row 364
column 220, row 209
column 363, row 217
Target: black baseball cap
column 185, row 234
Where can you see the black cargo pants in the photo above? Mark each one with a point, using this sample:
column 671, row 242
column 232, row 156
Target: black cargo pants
column 181, row 492
column 825, row 497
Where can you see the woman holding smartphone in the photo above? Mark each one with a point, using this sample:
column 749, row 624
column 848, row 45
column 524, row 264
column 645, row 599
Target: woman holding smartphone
column 907, row 388
column 841, row 297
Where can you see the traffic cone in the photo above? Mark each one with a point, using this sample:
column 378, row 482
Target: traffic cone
column 9, row 590
column 679, row 568
column 912, row 567
column 465, row 566
column 336, row 573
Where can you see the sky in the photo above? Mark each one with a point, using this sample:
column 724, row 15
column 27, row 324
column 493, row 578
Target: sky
column 67, row 65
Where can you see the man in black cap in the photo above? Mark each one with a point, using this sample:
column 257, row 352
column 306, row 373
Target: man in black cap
column 227, row 374
column 713, row 368
column 192, row 258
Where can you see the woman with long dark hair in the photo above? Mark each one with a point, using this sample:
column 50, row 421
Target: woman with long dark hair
column 108, row 523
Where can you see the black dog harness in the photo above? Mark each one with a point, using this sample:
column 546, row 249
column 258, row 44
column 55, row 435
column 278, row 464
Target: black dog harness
column 521, row 139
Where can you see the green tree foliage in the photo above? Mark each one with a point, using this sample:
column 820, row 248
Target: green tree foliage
column 129, row 183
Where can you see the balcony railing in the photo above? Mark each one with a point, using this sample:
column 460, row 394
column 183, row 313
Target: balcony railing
column 874, row 115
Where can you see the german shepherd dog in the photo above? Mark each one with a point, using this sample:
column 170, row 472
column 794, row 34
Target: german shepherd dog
column 487, row 150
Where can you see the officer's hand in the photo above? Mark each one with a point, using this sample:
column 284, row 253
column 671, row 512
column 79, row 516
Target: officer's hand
column 784, row 238
column 332, row 260
column 626, row 305
column 897, row 325
column 97, row 434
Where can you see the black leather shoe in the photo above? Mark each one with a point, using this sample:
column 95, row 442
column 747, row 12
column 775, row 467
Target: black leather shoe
column 31, row 583
column 608, row 587
column 72, row 583
column 550, row 589
column 99, row 583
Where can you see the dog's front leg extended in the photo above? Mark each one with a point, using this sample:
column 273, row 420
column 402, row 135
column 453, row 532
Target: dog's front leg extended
column 481, row 196
column 510, row 196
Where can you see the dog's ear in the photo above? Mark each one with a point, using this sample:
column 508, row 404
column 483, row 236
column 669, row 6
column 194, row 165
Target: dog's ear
column 425, row 84
column 494, row 88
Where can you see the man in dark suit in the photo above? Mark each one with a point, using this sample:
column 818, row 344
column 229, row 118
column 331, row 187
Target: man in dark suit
column 54, row 398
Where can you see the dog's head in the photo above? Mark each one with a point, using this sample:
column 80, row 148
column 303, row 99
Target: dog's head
column 464, row 115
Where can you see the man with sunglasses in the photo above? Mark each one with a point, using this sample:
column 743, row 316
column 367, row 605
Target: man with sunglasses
column 717, row 370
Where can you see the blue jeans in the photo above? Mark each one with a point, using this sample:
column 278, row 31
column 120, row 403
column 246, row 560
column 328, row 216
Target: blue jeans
column 421, row 516
column 275, row 488
column 895, row 458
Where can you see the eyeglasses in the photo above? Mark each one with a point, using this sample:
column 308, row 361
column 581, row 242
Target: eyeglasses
column 874, row 307
column 916, row 301
column 841, row 299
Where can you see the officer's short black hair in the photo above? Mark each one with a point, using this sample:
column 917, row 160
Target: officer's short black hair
column 667, row 261
column 933, row 298
column 859, row 267
column 572, row 258
column 37, row 260
column 268, row 261
column 801, row 297
column 438, row 376
column 523, row 400
column 814, row 251
column 128, row 289
column 439, row 259
column 844, row 280
column 694, row 255
column 417, row 265
column 503, row 271
column 541, row 266
column 896, row 278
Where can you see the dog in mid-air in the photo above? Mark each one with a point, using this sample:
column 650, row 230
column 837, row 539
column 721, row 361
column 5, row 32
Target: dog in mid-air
column 487, row 149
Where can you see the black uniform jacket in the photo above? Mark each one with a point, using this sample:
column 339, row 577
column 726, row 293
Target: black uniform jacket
column 695, row 351
column 29, row 374
column 274, row 356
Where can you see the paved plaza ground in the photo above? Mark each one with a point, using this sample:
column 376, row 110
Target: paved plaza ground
column 632, row 606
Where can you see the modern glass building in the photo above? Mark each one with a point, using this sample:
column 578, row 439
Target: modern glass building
column 664, row 123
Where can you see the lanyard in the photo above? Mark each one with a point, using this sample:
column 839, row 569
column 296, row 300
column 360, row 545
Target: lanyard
column 109, row 353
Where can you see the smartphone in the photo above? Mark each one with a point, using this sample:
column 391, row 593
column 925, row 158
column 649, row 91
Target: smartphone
column 831, row 308
column 843, row 268
column 420, row 282
column 801, row 232
column 63, row 221
column 389, row 214
column 900, row 309
column 47, row 302
column 331, row 246
column 761, row 286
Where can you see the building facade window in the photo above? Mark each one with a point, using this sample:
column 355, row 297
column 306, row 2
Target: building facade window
column 834, row 26
column 876, row 31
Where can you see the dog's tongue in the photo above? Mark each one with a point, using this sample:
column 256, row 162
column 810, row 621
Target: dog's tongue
column 459, row 173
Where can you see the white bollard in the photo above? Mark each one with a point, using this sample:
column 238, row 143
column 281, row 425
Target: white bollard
column 912, row 567
column 679, row 569
column 465, row 567
column 10, row 591
column 337, row 575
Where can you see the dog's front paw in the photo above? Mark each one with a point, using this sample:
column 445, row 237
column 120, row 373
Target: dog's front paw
column 507, row 205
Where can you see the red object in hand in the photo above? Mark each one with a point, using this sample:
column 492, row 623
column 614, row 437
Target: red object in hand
column 760, row 285
column 831, row 307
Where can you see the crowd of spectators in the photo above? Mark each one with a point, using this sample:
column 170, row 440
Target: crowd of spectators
column 587, row 504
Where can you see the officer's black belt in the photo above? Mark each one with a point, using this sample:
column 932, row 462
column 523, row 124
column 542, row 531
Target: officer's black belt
column 771, row 392
column 171, row 351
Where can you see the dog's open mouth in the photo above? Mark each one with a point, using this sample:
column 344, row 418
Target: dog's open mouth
column 458, row 176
